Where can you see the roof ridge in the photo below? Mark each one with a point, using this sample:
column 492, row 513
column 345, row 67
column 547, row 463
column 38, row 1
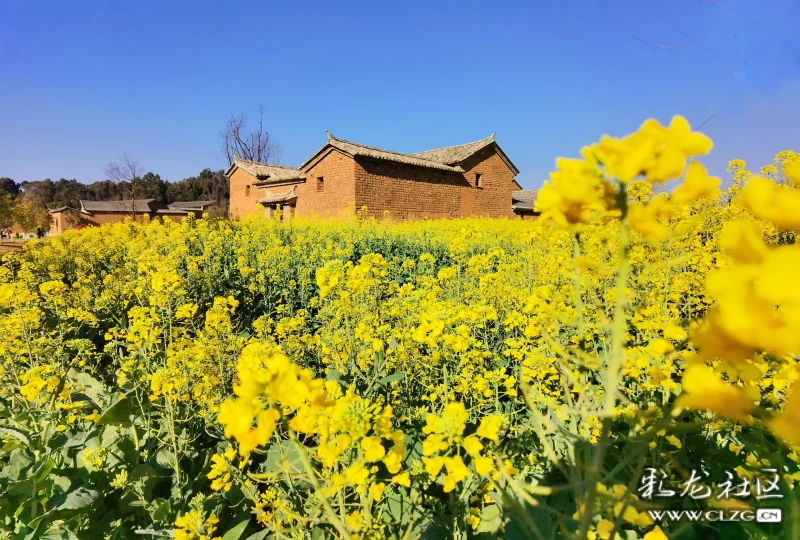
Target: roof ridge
column 235, row 158
column 490, row 138
column 113, row 200
column 331, row 137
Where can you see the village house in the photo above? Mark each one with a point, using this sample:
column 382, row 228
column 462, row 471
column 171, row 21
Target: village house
column 101, row 212
column 522, row 203
column 474, row 179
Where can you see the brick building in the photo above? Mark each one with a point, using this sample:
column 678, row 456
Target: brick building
column 522, row 203
column 101, row 212
column 474, row 179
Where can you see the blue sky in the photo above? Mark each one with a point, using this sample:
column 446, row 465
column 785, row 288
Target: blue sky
column 83, row 81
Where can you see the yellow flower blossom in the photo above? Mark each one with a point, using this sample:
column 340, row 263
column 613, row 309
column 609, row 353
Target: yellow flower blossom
column 376, row 491
column 456, row 472
column 402, row 479
column 220, row 473
column 604, row 528
column 373, row 449
column 786, row 424
column 483, row 465
column 655, row 534
column 445, row 430
column 573, row 193
column 777, row 204
column 696, row 185
column 703, row 388
column 490, row 427
column 472, row 445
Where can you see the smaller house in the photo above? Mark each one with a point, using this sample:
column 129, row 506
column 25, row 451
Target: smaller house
column 193, row 206
column 102, row 212
column 522, row 203
column 61, row 219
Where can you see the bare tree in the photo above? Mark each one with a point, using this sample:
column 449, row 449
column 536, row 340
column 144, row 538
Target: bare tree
column 125, row 171
column 256, row 145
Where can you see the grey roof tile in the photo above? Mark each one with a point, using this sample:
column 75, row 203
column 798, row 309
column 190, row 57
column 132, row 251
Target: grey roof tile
column 524, row 195
column 139, row 205
column 279, row 197
column 191, row 204
column 451, row 155
column 355, row 149
column 269, row 173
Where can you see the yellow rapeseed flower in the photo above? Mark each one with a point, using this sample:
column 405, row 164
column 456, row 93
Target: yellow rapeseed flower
column 703, row 389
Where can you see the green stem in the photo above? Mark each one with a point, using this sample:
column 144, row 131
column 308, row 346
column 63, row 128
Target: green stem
column 595, row 472
column 33, row 500
column 619, row 328
column 312, row 476
column 174, row 442
column 576, row 252
column 135, row 442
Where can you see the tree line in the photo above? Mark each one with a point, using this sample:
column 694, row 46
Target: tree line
column 208, row 185
column 25, row 204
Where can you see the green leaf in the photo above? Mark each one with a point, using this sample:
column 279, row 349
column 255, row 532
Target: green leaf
column 109, row 436
column 166, row 459
column 12, row 445
column 236, row 531
column 399, row 505
column 516, row 529
column 128, row 449
column 258, row 536
column 490, row 519
column 63, row 483
column 44, row 469
column 334, row 375
column 59, row 534
column 318, row 533
column 143, row 470
column 284, row 450
column 76, row 499
column 19, row 463
column 391, row 378
column 434, row 531
column 90, row 388
column 118, row 414
column 16, row 433
column 78, row 440
column 162, row 510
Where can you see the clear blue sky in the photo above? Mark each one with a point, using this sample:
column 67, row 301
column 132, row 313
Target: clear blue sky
column 83, row 81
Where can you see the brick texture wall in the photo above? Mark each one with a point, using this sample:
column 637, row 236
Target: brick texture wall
column 242, row 200
column 494, row 198
column 58, row 224
column 406, row 191
column 338, row 187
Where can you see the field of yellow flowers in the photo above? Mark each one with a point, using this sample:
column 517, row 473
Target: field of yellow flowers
column 471, row 378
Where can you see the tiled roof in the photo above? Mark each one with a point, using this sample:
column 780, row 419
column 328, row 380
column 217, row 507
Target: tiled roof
column 190, row 205
column 139, row 205
column 523, row 199
column 355, row 149
column 173, row 211
column 445, row 159
column 524, row 195
column 451, row 155
column 268, row 173
column 279, row 198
